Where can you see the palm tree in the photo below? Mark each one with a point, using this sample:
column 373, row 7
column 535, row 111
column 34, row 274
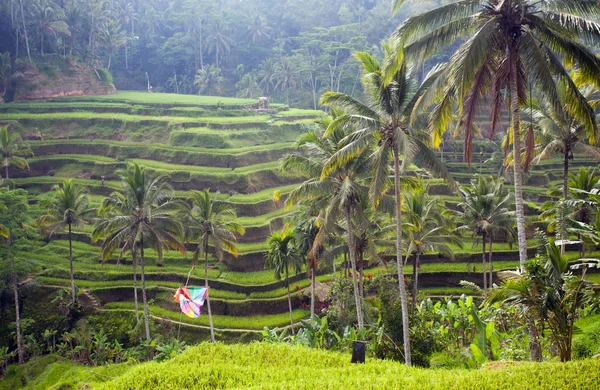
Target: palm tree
column 336, row 194
column 386, row 121
column 550, row 293
column 509, row 44
column 558, row 132
column 428, row 227
column 258, row 28
column 266, row 70
column 286, row 76
column 111, row 37
column 486, row 211
column 210, row 222
column 283, row 256
column 68, row 209
column 307, row 230
column 209, row 79
column 143, row 216
column 12, row 150
column 218, row 41
column 5, row 71
column 248, row 87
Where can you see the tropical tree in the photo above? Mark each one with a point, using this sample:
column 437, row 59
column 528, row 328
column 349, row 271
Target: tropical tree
column 248, row 87
column 49, row 18
column 14, row 211
column 507, row 46
column 386, row 121
column 286, row 76
column 218, row 41
column 550, row 293
column 306, row 233
column 337, row 195
column 258, row 28
column 12, row 150
column 558, row 132
column 111, row 37
column 69, row 208
column 212, row 225
column 142, row 216
column 208, row 80
column 266, row 70
column 486, row 212
column 283, row 256
column 5, row 71
column 428, row 226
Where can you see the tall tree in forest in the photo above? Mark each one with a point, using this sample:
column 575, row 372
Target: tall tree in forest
column 385, row 121
column 69, row 208
column 212, row 225
column 509, row 44
column 12, row 150
column 218, row 41
column 111, row 37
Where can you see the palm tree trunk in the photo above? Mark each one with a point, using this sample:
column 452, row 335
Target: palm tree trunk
column 287, row 283
column 135, row 291
column 483, row 262
column 210, row 321
column 416, row 279
column 518, row 167
column 361, row 284
column 565, row 190
column 126, row 57
column 352, row 253
column 6, row 167
column 73, row 295
column 490, row 243
column 402, row 286
column 17, row 309
column 25, row 30
column 109, row 59
column 144, row 296
column 312, row 296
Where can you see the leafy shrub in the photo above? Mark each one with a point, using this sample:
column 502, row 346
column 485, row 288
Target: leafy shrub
column 105, row 76
column 447, row 359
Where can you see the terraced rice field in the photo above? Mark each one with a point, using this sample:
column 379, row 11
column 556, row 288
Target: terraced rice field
column 224, row 145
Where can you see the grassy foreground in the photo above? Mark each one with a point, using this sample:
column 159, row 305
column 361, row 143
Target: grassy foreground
column 281, row 366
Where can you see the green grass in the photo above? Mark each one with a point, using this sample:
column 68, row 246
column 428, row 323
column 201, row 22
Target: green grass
column 160, row 99
column 282, row 366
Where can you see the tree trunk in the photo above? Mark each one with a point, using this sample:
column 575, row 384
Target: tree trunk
column 210, row 321
column 17, row 309
column 126, row 57
column 535, row 347
column 25, row 31
column 416, row 279
column 361, row 281
column 565, row 193
column 352, row 254
column 518, row 167
column 402, row 286
column 42, row 43
column 135, row 292
column 287, row 283
column 312, row 295
column 73, row 294
column 109, row 59
column 144, row 296
column 6, row 168
column 483, row 262
column 490, row 243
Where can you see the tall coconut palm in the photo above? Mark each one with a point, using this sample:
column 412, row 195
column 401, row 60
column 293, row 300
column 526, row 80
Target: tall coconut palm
column 283, row 256
column 208, row 80
column 429, row 227
column 69, row 208
column 509, row 44
column 258, row 27
column 111, row 37
column 147, row 220
column 336, row 194
column 211, row 224
column 558, row 132
column 306, row 234
column 385, row 121
column 286, row 76
column 485, row 212
column 12, row 150
column 218, row 41
column 266, row 70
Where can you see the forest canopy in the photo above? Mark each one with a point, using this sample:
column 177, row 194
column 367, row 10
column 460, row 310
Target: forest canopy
column 291, row 51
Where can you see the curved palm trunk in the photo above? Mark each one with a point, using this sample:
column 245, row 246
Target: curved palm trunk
column 144, row 296
column 565, row 190
column 483, row 262
column 6, row 167
column 490, row 243
column 312, row 296
column 17, row 309
column 416, row 279
column 287, row 283
column 361, row 281
column 73, row 294
column 351, row 252
column 25, row 30
column 135, row 292
column 518, row 167
column 210, row 321
column 402, row 286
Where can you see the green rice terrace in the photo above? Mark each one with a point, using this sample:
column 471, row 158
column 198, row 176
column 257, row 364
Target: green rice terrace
column 268, row 194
